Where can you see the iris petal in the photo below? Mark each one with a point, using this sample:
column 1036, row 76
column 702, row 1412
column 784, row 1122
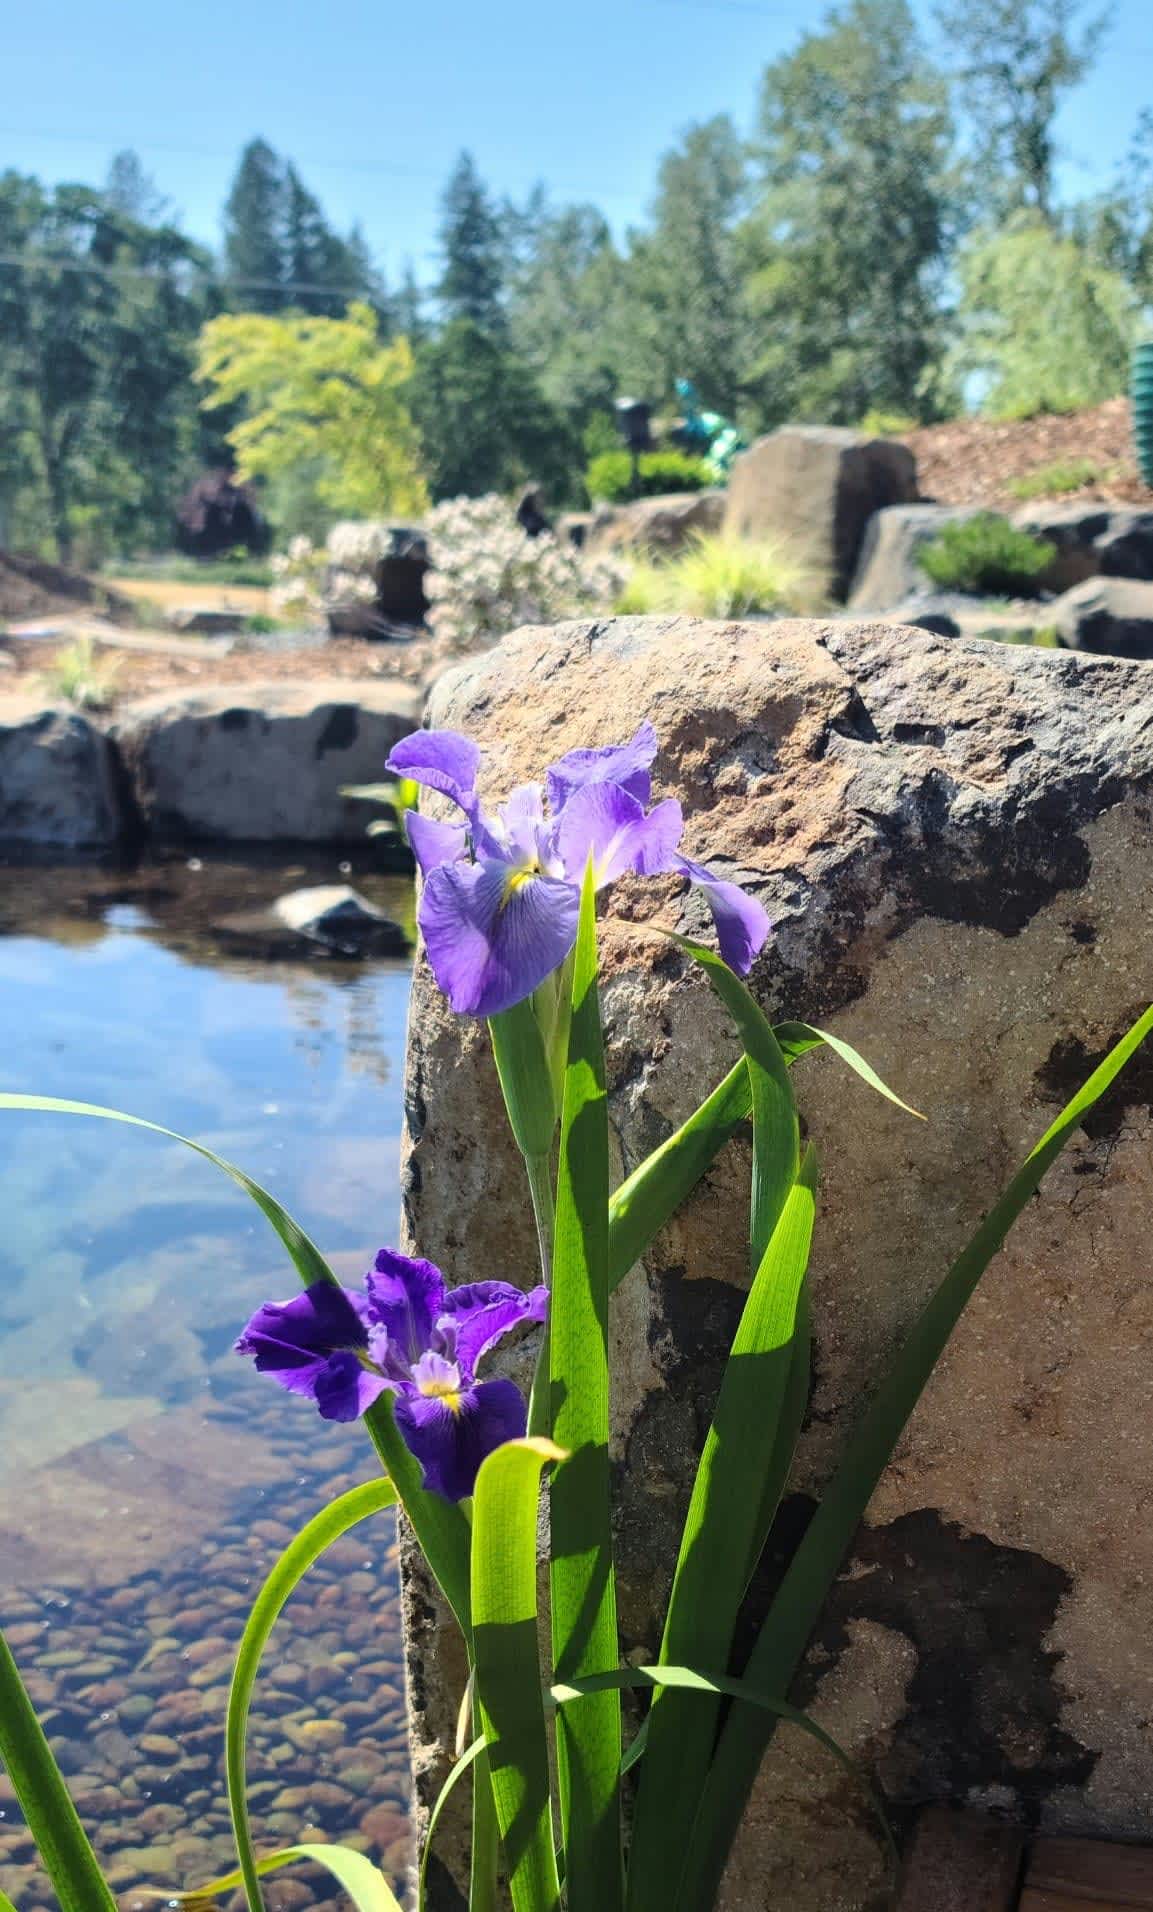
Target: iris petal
column 442, row 760
column 404, row 1298
column 291, row 1334
column 483, row 1312
column 432, row 842
column 344, row 1389
column 492, row 936
column 742, row 924
column 625, row 764
column 449, row 1443
column 603, row 821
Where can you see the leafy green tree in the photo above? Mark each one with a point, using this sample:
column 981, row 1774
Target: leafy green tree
column 128, row 189
column 685, row 309
column 473, row 248
column 1015, row 61
column 565, row 308
column 325, row 393
column 99, row 314
column 847, row 242
column 1044, row 327
column 483, row 420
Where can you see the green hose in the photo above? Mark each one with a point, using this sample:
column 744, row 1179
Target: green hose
column 1141, row 406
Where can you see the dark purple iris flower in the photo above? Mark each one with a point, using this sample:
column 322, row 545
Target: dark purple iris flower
column 406, row 1334
column 502, row 894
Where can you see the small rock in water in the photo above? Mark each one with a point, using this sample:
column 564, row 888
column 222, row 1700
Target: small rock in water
column 331, row 917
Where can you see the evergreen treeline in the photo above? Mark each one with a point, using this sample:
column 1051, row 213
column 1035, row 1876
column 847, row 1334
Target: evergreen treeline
column 885, row 241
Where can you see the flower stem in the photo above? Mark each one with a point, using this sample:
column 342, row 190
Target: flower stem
column 538, row 1169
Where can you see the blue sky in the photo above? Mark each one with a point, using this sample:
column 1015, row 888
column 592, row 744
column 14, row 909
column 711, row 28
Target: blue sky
column 374, row 99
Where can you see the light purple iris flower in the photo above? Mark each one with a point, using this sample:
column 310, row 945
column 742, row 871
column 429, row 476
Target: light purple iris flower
column 409, row 1335
column 501, row 894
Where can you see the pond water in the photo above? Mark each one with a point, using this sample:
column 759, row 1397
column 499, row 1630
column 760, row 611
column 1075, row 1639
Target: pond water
column 148, row 1477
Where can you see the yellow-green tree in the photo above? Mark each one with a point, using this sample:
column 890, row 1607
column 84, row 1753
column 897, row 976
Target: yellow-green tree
column 320, row 394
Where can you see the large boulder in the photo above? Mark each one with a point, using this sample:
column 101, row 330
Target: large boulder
column 396, row 556
column 262, row 762
column 58, row 778
column 954, row 842
column 815, row 487
column 887, row 568
column 1092, row 540
column 655, row 527
column 1113, row 616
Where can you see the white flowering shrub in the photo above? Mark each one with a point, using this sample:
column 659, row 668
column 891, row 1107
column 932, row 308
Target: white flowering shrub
column 487, row 576
column 309, row 579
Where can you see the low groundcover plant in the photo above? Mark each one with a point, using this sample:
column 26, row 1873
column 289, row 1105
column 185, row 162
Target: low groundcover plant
column 508, row 913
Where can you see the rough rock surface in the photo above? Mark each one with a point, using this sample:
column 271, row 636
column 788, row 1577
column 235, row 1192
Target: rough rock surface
column 1092, row 540
column 658, row 527
column 58, row 783
column 887, row 569
column 1112, row 616
column 262, row 762
column 815, row 487
column 956, row 843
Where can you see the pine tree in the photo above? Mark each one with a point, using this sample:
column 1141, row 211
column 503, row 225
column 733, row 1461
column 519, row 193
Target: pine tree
column 254, row 236
column 473, row 245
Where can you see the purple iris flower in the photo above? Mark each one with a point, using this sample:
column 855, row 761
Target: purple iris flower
column 409, row 1335
column 501, row 894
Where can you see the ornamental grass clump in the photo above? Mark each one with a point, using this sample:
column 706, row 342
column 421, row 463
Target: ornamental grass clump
column 508, row 913
column 722, row 577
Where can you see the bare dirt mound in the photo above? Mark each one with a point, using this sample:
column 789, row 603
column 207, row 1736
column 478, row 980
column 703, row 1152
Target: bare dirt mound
column 31, row 588
column 973, row 460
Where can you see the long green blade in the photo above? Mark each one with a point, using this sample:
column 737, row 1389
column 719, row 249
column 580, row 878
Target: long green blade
column 44, row 1798
column 582, row 1583
column 6, row 1904
column 776, row 1131
column 655, row 1190
column 306, row 1256
column 797, row 1038
column 467, row 1759
column 289, row 1570
column 506, row 1663
column 815, row 1565
column 723, row 1535
column 439, row 1525
column 367, row 1887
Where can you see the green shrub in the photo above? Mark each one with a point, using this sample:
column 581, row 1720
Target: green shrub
column 76, row 674
column 609, row 478
column 1050, row 481
column 721, row 577
column 986, row 555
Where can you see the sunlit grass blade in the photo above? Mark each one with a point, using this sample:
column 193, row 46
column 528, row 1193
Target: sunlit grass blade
column 439, row 1525
column 289, row 1570
column 724, row 1686
column 306, row 1256
column 506, row 1664
column 724, row 1530
column 365, row 1884
column 785, row 1632
column 45, row 1800
column 523, row 1068
column 776, row 1131
column 655, row 1190
column 464, row 1762
column 6, row 1904
column 581, row 1579
column 797, row 1038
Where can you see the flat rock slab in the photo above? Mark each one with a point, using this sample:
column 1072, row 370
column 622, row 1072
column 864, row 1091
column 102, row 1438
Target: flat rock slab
column 58, row 784
column 955, row 842
column 262, row 762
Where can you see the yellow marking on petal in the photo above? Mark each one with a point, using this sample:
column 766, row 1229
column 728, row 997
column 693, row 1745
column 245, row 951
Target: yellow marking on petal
column 518, row 880
column 445, row 1391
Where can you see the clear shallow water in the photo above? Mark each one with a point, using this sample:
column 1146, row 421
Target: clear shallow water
column 147, row 1476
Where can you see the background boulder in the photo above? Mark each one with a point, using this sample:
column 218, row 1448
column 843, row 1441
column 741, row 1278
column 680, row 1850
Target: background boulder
column 58, row 780
column 814, row 488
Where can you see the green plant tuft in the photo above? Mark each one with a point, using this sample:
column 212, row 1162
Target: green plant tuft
column 721, row 577
column 986, row 555
column 609, row 478
column 1052, row 481
column 76, row 674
